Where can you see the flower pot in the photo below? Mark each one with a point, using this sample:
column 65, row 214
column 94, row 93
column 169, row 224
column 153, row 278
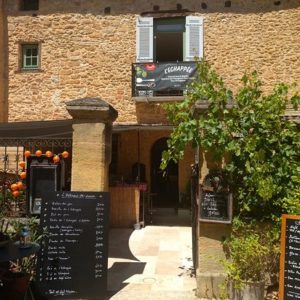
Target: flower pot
column 249, row 291
column 15, row 285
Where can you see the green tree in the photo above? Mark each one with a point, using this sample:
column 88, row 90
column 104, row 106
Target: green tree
column 250, row 128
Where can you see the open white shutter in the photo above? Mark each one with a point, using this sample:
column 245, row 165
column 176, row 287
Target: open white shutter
column 194, row 38
column 144, row 39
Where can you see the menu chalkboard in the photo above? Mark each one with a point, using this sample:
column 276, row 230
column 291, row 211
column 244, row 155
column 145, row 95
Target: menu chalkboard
column 72, row 263
column 215, row 207
column 289, row 286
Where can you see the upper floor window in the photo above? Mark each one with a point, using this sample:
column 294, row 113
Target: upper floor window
column 169, row 39
column 29, row 4
column 30, row 56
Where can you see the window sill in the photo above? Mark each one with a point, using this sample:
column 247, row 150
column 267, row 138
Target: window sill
column 29, row 71
column 157, row 99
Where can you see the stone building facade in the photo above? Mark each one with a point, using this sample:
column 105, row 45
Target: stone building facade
column 86, row 52
column 87, row 48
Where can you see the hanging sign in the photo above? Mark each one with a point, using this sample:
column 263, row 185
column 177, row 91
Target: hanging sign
column 215, row 206
column 153, row 77
column 215, row 199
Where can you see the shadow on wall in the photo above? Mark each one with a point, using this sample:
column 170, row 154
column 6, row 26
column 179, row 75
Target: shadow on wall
column 145, row 7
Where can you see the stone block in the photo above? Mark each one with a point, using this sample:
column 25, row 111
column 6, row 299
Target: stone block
column 209, row 285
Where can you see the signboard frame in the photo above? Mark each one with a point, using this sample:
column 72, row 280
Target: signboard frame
column 284, row 219
column 69, row 222
column 227, row 194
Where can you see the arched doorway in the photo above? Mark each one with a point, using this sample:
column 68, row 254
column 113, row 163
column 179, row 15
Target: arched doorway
column 164, row 185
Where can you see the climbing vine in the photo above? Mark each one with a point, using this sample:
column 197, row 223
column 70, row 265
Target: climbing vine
column 250, row 128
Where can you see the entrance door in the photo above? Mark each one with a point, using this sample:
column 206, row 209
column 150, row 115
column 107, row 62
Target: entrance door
column 164, row 187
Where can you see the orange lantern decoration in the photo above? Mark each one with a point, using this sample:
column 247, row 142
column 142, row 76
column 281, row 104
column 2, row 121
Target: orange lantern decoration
column 23, row 175
column 20, row 185
column 22, row 164
column 38, row 153
column 27, row 153
column 65, row 154
column 14, row 187
column 16, row 194
column 56, row 159
column 49, row 154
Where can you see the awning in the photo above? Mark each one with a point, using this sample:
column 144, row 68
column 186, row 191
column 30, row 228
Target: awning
column 60, row 129
column 36, row 129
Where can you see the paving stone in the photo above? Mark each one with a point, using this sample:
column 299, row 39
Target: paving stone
column 152, row 263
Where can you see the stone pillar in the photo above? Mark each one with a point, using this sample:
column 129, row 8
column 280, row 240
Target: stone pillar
column 91, row 154
column 210, row 274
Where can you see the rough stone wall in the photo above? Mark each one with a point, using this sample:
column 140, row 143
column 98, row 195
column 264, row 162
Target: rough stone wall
column 3, row 77
column 88, row 53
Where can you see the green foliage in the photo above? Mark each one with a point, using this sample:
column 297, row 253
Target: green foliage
column 264, row 147
column 33, row 225
column 252, row 252
column 27, row 264
column 264, row 169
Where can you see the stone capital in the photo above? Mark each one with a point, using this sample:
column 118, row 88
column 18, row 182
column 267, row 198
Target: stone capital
column 91, row 110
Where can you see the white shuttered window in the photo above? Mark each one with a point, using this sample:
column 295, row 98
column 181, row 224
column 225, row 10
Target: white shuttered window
column 144, row 39
column 194, row 38
column 193, row 41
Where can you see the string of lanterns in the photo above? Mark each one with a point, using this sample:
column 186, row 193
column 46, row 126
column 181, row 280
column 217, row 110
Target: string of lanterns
column 19, row 186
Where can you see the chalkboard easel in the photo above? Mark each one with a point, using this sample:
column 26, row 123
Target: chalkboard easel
column 72, row 263
column 289, row 284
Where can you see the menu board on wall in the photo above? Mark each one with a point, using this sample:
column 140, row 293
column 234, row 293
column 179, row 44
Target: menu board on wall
column 215, row 206
column 289, row 284
column 72, row 263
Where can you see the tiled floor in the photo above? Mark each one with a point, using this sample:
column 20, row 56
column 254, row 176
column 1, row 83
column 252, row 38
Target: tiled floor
column 151, row 263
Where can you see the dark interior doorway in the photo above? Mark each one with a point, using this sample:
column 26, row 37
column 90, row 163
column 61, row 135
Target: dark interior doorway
column 164, row 187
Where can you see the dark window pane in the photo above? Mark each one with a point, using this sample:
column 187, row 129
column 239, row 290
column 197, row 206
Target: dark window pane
column 34, row 52
column 28, row 61
column 28, row 52
column 34, row 61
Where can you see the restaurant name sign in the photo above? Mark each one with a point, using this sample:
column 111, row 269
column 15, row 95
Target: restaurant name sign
column 149, row 78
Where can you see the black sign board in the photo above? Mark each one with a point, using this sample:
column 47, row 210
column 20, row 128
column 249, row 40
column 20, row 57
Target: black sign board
column 42, row 176
column 289, row 287
column 152, row 77
column 215, row 206
column 72, row 263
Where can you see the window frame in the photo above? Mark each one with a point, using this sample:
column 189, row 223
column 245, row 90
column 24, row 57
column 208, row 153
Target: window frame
column 193, row 45
column 157, row 22
column 22, row 6
column 22, row 57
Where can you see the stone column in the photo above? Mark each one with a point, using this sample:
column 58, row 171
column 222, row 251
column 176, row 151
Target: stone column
column 210, row 274
column 91, row 154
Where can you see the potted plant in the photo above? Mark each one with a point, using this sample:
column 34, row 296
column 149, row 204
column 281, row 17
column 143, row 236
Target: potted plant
column 251, row 257
column 17, row 277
